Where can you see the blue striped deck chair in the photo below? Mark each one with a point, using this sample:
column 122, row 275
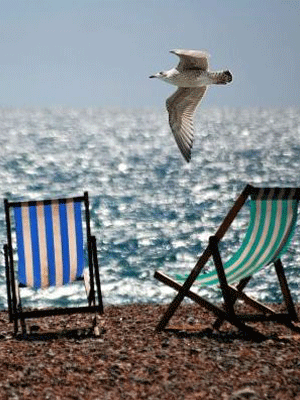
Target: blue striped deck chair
column 49, row 243
column 272, row 222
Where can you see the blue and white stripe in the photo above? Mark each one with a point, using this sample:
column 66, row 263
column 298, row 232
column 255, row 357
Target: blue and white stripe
column 49, row 242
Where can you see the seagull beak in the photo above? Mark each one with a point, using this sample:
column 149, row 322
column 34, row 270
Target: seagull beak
column 152, row 76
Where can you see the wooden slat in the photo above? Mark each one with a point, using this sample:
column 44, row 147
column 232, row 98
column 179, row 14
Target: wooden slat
column 253, row 303
column 59, row 311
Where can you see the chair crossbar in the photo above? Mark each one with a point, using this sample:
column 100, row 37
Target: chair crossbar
column 60, row 311
column 279, row 317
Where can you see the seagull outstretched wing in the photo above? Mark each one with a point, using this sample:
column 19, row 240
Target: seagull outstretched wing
column 181, row 107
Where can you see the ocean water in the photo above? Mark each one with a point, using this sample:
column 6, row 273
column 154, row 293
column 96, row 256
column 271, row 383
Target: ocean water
column 149, row 209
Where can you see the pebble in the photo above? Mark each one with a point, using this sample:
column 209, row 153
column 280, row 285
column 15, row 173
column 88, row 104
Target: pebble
column 245, row 394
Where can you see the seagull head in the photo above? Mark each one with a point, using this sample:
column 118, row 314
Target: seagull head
column 159, row 75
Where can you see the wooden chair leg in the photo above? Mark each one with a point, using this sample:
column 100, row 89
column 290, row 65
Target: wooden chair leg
column 235, row 292
column 285, row 290
column 23, row 325
column 97, row 275
column 183, row 290
column 8, row 284
column 228, row 299
column 20, row 311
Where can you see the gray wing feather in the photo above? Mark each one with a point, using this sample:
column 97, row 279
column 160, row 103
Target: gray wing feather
column 191, row 59
column 181, row 107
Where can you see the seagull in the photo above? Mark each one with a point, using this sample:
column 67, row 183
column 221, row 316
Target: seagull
column 191, row 76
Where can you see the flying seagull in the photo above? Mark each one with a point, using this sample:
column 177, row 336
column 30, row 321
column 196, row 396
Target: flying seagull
column 192, row 77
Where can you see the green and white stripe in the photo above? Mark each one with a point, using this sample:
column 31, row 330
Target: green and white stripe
column 273, row 218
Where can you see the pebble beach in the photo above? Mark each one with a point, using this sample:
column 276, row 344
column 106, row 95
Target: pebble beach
column 124, row 358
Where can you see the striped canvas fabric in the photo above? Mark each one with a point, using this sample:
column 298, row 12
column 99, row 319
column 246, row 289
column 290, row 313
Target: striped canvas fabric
column 49, row 242
column 273, row 219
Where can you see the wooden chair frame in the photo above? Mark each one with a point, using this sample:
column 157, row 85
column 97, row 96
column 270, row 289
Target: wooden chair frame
column 94, row 295
column 229, row 293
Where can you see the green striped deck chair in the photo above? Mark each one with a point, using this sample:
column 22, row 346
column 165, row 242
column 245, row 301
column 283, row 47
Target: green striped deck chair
column 51, row 242
column 273, row 217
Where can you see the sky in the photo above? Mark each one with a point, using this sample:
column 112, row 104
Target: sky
column 99, row 53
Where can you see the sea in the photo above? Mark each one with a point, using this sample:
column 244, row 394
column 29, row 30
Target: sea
column 150, row 210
